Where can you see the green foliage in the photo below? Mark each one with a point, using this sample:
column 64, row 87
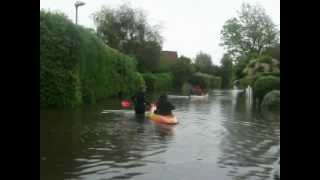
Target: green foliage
column 203, row 62
column 244, row 82
column 263, row 65
column 76, row 67
column 182, row 71
column 215, row 82
column 277, row 74
column 157, row 82
column 271, row 101
column 265, row 59
column 127, row 30
column 226, row 72
column 273, row 51
column 239, row 68
column 205, row 81
column 59, row 65
column 265, row 84
column 252, row 31
column 186, row 88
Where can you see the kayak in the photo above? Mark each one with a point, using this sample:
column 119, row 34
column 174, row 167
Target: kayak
column 169, row 119
column 199, row 97
column 177, row 97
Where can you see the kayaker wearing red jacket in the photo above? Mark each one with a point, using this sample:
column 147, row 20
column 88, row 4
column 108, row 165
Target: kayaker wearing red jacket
column 164, row 107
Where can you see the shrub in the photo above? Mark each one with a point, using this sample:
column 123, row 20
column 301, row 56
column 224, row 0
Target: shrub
column 186, row 88
column 265, row 59
column 157, row 82
column 265, row 84
column 215, row 82
column 271, row 101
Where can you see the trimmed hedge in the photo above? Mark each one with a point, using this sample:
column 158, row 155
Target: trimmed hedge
column 157, row 82
column 265, row 84
column 76, row 67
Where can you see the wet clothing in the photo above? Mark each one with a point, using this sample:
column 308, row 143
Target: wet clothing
column 139, row 102
column 164, row 108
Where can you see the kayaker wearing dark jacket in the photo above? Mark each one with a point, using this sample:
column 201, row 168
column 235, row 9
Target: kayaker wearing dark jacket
column 139, row 102
column 164, row 107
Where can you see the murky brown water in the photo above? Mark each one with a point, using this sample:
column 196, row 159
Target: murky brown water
column 218, row 138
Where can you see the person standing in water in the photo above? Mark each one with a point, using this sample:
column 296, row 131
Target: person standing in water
column 164, row 107
column 139, row 101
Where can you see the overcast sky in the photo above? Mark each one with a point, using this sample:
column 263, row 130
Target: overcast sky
column 188, row 26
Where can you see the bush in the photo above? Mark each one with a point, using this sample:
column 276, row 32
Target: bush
column 215, row 82
column 265, row 59
column 186, row 88
column 271, row 101
column 265, row 84
column 76, row 67
column 158, row 82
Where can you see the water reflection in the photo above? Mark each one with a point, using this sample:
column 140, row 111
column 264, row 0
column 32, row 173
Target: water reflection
column 247, row 156
column 221, row 134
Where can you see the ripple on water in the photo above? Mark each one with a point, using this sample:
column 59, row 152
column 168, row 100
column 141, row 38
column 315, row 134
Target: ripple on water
column 221, row 131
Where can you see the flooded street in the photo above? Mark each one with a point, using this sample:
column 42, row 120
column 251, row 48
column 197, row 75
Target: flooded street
column 217, row 138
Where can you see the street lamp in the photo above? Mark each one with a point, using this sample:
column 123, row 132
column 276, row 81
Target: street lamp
column 77, row 4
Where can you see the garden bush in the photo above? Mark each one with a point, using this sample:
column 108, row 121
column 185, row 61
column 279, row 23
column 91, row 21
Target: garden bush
column 265, row 84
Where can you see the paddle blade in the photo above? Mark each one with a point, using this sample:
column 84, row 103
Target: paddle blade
column 125, row 104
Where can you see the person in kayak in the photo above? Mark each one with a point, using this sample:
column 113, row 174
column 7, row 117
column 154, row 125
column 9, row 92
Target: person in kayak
column 164, row 107
column 139, row 101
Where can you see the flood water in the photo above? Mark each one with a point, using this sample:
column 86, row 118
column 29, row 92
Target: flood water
column 218, row 138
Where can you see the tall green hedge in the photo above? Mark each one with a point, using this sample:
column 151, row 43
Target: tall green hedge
column 158, row 82
column 76, row 67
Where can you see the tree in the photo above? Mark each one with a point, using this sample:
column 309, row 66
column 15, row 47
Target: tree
column 203, row 62
column 182, row 71
column 274, row 52
column 226, row 71
column 251, row 32
column 127, row 30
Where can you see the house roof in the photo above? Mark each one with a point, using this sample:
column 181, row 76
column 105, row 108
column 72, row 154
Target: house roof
column 172, row 55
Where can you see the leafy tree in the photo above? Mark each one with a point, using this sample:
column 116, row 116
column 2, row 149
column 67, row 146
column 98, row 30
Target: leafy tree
column 226, row 71
column 203, row 62
column 251, row 32
column 274, row 51
column 182, row 70
column 127, row 30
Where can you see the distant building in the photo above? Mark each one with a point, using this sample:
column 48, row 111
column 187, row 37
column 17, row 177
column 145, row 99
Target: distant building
column 170, row 55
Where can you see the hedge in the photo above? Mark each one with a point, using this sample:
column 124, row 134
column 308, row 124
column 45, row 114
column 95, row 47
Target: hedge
column 76, row 67
column 265, row 84
column 157, row 82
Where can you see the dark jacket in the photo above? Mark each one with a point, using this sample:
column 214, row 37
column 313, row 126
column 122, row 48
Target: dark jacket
column 164, row 108
column 139, row 102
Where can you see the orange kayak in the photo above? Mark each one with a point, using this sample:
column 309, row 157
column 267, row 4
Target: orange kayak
column 170, row 119
column 163, row 119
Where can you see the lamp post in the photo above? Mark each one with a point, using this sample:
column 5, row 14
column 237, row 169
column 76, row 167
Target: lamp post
column 77, row 4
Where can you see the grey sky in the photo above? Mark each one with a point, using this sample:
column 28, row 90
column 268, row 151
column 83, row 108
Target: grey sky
column 188, row 26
